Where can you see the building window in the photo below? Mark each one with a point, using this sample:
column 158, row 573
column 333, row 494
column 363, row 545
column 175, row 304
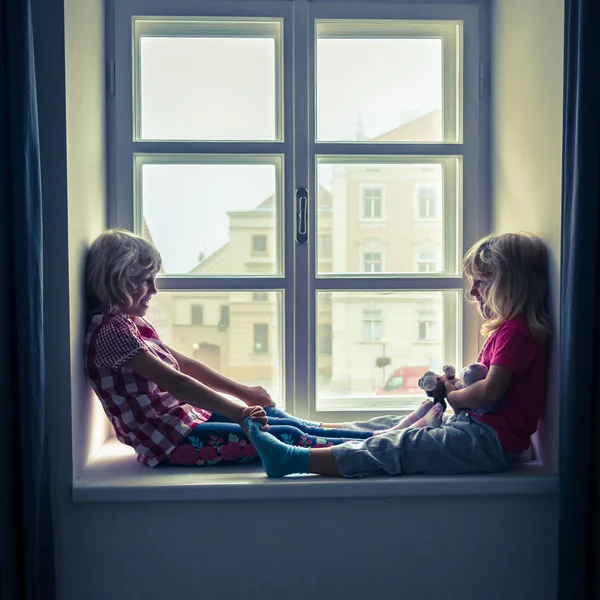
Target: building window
column 427, row 262
column 427, row 202
column 259, row 244
column 428, row 327
column 372, row 325
column 224, row 319
column 325, row 339
column 197, row 314
column 260, row 296
column 261, row 338
column 372, row 203
column 372, row 262
column 324, row 248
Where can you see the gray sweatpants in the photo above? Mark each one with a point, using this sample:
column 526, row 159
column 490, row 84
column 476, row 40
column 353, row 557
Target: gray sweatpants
column 461, row 445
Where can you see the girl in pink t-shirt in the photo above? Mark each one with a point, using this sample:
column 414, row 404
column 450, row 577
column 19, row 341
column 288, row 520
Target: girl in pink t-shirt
column 495, row 417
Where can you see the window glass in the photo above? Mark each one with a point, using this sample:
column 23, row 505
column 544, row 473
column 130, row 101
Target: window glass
column 261, row 338
column 197, row 314
column 208, row 80
column 237, row 337
column 218, row 212
column 366, row 222
column 207, row 171
column 379, row 90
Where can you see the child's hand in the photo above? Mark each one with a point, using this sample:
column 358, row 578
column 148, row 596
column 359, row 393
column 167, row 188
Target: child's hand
column 255, row 413
column 256, row 396
column 453, row 401
column 450, row 386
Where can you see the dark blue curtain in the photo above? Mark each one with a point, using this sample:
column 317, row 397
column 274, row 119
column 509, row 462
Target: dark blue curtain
column 579, row 558
column 26, row 549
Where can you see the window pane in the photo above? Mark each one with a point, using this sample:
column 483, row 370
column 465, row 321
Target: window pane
column 208, row 88
column 261, row 338
column 224, row 216
column 379, row 90
column 381, row 344
column 325, row 339
column 428, row 262
column 377, row 232
column 237, row 337
column 325, row 246
column 428, row 202
column 259, row 244
column 372, row 262
column 197, row 314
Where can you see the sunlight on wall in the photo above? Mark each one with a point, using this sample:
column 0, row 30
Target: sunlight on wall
column 84, row 71
column 98, row 430
column 113, row 451
column 527, row 98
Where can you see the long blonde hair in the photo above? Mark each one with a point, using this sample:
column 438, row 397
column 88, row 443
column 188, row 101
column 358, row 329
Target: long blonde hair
column 117, row 262
column 513, row 271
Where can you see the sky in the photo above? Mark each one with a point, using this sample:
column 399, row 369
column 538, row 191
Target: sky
column 224, row 89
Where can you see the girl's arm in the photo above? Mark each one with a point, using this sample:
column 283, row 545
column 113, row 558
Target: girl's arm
column 188, row 390
column 252, row 396
column 481, row 393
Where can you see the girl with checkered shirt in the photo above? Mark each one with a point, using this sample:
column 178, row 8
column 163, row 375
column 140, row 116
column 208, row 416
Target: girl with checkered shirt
column 494, row 418
column 168, row 407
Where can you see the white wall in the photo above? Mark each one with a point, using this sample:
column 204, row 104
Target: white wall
column 527, row 63
column 466, row 548
column 86, row 177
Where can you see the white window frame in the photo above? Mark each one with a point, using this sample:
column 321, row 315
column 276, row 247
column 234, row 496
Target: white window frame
column 364, row 187
column 420, row 260
column 425, row 318
column 438, row 201
column 374, row 321
column 372, row 262
column 299, row 149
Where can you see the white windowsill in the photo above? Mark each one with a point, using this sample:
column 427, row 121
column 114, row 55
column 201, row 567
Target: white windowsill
column 115, row 476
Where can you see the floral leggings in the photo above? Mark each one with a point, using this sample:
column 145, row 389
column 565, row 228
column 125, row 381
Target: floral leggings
column 221, row 441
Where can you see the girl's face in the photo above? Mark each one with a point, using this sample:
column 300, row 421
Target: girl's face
column 146, row 288
column 479, row 292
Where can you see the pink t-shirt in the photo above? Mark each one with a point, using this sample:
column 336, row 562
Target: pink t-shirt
column 515, row 417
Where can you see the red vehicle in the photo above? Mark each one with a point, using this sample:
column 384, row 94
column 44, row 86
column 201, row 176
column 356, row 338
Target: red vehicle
column 404, row 380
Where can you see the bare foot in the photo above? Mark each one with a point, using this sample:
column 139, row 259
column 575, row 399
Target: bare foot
column 432, row 419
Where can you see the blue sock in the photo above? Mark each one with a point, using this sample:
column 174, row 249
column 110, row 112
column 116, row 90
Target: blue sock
column 273, row 411
column 278, row 458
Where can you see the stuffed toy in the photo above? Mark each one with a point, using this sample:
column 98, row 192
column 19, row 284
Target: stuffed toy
column 472, row 373
column 434, row 385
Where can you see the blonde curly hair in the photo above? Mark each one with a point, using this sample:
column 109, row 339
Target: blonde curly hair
column 117, row 262
column 512, row 269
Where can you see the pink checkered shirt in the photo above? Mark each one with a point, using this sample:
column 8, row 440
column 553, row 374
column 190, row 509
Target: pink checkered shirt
column 144, row 416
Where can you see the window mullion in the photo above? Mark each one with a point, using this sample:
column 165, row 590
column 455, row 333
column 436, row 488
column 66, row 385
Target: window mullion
column 301, row 305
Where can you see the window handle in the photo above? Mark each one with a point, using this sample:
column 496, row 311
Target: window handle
column 301, row 215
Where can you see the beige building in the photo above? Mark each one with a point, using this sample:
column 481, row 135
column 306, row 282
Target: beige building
column 372, row 218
